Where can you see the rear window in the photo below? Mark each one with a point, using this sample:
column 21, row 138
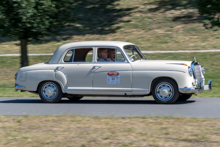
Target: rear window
column 79, row 55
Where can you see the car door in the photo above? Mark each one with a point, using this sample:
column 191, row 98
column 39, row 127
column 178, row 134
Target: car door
column 112, row 77
column 77, row 68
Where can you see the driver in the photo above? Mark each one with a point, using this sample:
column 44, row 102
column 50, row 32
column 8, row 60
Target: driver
column 111, row 55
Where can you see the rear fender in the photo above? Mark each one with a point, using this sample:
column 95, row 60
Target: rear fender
column 60, row 76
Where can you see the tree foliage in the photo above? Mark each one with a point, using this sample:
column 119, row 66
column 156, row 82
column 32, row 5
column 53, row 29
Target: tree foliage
column 210, row 9
column 30, row 19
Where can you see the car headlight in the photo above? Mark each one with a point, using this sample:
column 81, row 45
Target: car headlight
column 190, row 71
column 203, row 70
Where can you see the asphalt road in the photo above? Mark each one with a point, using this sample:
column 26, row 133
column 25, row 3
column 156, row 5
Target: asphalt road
column 107, row 106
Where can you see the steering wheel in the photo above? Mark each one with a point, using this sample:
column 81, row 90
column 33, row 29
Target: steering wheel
column 132, row 59
column 132, row 56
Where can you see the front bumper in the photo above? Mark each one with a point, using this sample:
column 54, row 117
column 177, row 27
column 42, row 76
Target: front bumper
column 198, row 89
column 18, row 87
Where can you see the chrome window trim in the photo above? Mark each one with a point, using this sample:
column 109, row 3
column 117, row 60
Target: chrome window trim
column 115, row 55
column 73, row 55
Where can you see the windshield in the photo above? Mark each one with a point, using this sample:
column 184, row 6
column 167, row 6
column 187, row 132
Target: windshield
column 133, row 52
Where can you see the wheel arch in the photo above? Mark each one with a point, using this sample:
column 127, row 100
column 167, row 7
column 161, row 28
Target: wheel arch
column 57, row 82
column 158, row 78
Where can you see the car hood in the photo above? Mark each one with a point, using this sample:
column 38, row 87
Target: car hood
column 162, row 65
column 188, row 63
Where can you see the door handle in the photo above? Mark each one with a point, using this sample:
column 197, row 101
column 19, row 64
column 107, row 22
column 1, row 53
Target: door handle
column 59, row 68
column 95, row 67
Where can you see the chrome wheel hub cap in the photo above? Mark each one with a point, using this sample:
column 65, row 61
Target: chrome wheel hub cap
column 49, row 90
column 164, row 91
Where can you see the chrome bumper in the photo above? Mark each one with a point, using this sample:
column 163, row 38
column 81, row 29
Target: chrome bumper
column 198, row 89
column 18, row 87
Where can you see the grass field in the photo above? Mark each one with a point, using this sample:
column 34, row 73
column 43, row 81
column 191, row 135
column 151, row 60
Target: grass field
column 210, row 61
column 81, row 131
column 150, row 24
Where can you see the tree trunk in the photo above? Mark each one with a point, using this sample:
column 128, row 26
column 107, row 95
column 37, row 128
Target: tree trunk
column 24, row 56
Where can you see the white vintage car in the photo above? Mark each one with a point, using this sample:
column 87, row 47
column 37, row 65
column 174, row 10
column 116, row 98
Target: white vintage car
column 110, row 68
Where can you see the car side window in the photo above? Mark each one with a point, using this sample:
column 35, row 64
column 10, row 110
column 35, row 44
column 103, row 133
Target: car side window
column 89, row 56
column 79, row 55
column 120, row 57
column 69, row 56
column 110, row 55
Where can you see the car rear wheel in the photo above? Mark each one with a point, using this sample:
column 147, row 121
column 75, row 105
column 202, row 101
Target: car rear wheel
column 50, row 92
column 165, row 91
column 184, row 97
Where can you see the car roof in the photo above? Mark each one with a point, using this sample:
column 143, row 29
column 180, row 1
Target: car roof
column 95, row 43
column 62, row 48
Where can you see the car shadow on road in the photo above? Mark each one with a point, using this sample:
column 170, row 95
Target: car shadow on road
column 123, row 102
column 95, row 101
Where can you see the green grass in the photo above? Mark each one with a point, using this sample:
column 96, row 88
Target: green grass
column 10, row 65
column 88, row 131
column 10, row 92
column 150, row 24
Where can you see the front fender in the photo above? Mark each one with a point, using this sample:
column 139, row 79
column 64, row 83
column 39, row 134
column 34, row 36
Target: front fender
column 182, row 80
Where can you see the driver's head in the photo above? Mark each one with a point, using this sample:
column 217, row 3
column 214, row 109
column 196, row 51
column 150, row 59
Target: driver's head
column 111, row 53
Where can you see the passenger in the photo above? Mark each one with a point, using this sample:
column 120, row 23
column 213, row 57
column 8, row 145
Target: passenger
column 102, row 54
column 111, row 55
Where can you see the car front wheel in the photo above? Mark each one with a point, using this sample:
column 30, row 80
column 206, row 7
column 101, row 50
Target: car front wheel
column 165, row 91
column 50, row 92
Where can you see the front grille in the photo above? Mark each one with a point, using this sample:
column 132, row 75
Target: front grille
column 198, row 73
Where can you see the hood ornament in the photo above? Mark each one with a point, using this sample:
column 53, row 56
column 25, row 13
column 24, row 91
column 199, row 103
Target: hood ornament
column 195, row 59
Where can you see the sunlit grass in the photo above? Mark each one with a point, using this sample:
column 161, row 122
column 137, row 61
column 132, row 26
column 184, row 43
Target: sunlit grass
column 108, row 131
